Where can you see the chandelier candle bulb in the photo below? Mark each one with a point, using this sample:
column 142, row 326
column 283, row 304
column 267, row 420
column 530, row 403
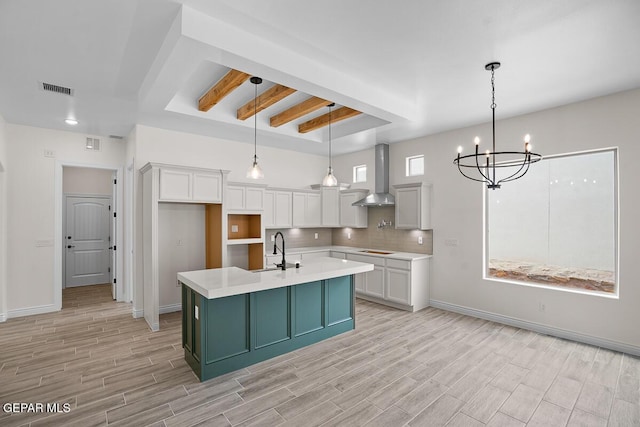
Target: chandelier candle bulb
column 459, row 149
column 476, row 140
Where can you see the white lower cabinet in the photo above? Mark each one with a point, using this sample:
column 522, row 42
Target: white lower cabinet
column 399, row 283
column 375, row 281
column 398, row 287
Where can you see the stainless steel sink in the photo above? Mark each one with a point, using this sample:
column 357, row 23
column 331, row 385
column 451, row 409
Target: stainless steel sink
column 376, row 252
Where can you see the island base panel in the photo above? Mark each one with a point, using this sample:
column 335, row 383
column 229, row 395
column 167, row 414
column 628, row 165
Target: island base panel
column 233, row 332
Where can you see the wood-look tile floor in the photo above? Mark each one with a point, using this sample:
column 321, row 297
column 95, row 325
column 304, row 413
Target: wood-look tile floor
column 419, row 369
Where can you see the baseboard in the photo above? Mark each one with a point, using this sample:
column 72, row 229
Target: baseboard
column 3, row 317
column 30, row 311
column 161, row 310
column 170, row 308
column 537, row 327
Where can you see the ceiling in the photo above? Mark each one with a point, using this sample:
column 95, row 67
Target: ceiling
column 412, row 70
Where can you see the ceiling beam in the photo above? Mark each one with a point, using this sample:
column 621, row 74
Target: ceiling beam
column 224, row 87
column 341, row 113
column 268, row 98
column 305, row 107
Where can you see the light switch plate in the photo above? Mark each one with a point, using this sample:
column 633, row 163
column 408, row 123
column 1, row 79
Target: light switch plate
column 234, row 228
column 315, row 236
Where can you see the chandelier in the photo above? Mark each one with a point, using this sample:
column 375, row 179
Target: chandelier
column 482, row 166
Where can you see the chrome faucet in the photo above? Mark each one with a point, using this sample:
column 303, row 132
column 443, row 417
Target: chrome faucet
column 283, row 266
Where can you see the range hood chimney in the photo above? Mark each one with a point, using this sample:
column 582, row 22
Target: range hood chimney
column 381, row 197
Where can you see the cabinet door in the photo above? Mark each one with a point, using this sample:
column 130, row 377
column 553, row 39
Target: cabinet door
column 313, row 215
column 207, row 187
column 408, row 208
column 299, row 209
column 398, row 285
column 331, row 207
column 269, row 215
column 374, row 284
column 254, row 199
column 235, row 198
column 347, row 212
column 175, row 185
column 359, row 281
column 282, row 213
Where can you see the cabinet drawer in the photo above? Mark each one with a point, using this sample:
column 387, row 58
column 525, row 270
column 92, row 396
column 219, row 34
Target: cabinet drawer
column 399, row 263
column 368, row 259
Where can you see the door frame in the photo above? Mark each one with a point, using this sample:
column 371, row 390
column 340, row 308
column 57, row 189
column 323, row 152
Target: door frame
column 3, row 246
column 58, row 218
column 64, row 230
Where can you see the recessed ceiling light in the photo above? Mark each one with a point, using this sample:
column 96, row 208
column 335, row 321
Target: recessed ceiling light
column 71, row 122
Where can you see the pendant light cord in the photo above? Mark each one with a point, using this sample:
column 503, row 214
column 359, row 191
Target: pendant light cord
column 330, row 136
column 255, row 125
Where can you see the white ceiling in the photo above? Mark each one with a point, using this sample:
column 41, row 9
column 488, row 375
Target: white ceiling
column 413, row 68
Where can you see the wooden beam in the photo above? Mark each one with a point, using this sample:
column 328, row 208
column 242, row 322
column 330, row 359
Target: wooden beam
column 341, row 113
column 305, row 107
column 268, row 98
column 224, row 87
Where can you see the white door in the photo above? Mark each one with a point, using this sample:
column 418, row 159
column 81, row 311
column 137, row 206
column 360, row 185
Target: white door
column 87, row 241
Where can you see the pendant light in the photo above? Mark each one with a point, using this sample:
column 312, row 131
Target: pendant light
column 482, row 166
column 255, row 171
column 330, row 179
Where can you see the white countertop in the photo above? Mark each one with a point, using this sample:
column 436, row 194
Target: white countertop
column 408, row 256
column 224, row 282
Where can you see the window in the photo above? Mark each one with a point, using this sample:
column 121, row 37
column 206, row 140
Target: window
column 558, row 225
column 415, row 165
column 360, row 173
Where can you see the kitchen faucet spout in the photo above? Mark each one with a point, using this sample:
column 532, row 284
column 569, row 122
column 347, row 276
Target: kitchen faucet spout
column 283, row 265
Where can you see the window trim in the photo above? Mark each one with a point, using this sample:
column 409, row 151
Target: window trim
column 408, row 162
column 616, row 221
column 355, row 173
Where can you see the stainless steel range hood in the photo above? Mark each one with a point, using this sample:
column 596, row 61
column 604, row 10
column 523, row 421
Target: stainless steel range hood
column 381, row 197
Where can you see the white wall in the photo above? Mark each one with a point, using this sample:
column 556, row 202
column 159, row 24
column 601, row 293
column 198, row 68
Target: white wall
column 457, row 214
column 30, row 202
column 181, row 246
column 87, row 181
column 282, row 168
column 3, row 224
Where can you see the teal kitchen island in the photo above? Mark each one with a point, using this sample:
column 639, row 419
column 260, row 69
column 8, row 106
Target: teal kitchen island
column 232, row 318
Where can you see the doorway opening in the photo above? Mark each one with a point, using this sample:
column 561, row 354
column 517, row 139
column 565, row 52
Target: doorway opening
column 87, row 231
column 88, row 228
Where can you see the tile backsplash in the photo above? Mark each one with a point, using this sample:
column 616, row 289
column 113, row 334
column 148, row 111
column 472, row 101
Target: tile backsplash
column 386, row 238
column 301, row 237
column 372, row 237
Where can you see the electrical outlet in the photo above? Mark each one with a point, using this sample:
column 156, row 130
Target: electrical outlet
column 196, row 312
column 234, row 228
column 178, row 283
column 179, row 242
column 273, row 237
column 419, row 240
column 315, row 236
column 49, row 153
column 349, row 236
column 541, row 307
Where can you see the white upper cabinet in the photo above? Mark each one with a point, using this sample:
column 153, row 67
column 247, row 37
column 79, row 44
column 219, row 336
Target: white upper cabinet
column 306, row 209
column 353, row 216
column 277, row 209
column 244, row 197
column 330, row 206
column 413, row 206
column 189, row 185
